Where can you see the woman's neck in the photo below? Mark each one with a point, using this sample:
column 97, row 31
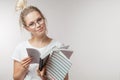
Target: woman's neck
column 40, row 38
column 40, row 41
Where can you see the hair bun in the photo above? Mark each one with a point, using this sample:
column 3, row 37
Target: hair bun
column 21, row 4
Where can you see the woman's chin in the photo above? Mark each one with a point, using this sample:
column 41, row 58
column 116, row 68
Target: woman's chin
column 41, row 33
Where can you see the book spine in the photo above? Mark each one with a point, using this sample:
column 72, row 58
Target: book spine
column 40, row 64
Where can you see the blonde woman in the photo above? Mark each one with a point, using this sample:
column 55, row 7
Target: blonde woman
column 33, row 21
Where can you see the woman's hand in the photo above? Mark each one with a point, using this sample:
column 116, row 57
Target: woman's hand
column 26, row 62
column 21, row 68
column 42, row 73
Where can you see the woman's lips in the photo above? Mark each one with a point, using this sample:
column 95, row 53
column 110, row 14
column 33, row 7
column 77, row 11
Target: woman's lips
column 40, row 30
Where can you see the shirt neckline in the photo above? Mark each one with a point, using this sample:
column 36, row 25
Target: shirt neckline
column 37, row 47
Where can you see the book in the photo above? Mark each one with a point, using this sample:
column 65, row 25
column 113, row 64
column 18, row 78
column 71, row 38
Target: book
column 67, row 52
column 35, row 54
column 43, row 62
column 59, row 64
column 57, row 61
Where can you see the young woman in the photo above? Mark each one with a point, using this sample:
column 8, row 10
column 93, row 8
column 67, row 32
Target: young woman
column 33, row 21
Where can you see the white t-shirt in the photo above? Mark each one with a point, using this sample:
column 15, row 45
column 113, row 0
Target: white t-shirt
column 20, row 53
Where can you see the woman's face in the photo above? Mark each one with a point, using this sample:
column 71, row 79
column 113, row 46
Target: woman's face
column 35, row 24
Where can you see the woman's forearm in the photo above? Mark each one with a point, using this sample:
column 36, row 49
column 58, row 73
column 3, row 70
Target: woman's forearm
column 21, row 68
column 20, row 75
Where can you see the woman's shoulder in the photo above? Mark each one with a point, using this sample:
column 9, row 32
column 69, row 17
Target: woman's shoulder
column 21, row 44
column 57, row 43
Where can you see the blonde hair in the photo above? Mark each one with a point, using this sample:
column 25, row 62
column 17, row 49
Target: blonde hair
column 26, row 11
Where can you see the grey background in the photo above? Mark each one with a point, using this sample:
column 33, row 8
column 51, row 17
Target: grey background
column 91, row 27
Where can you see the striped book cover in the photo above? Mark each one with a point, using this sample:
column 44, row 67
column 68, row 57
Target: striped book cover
column 58, row 65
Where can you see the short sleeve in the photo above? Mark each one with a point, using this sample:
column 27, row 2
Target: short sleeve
column 16, row 54
column 61, row 45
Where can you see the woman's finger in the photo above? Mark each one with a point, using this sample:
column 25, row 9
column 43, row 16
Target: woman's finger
column 26, row 58
column 43, row 72
column 26, row 64
column 26, row 61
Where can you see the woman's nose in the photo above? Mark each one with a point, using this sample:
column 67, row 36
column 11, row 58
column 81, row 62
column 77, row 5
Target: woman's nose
column 37, row 25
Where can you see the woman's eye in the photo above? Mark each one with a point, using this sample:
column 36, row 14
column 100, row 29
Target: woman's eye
column 39, row 19
column 31, row 24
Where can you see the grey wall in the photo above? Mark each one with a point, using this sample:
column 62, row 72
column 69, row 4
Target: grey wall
column 91, row 27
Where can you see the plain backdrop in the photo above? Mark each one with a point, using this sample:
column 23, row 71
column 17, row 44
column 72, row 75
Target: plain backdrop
column 90, row 27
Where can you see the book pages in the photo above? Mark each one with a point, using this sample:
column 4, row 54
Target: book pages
column 58, row 66
column 35, row 54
